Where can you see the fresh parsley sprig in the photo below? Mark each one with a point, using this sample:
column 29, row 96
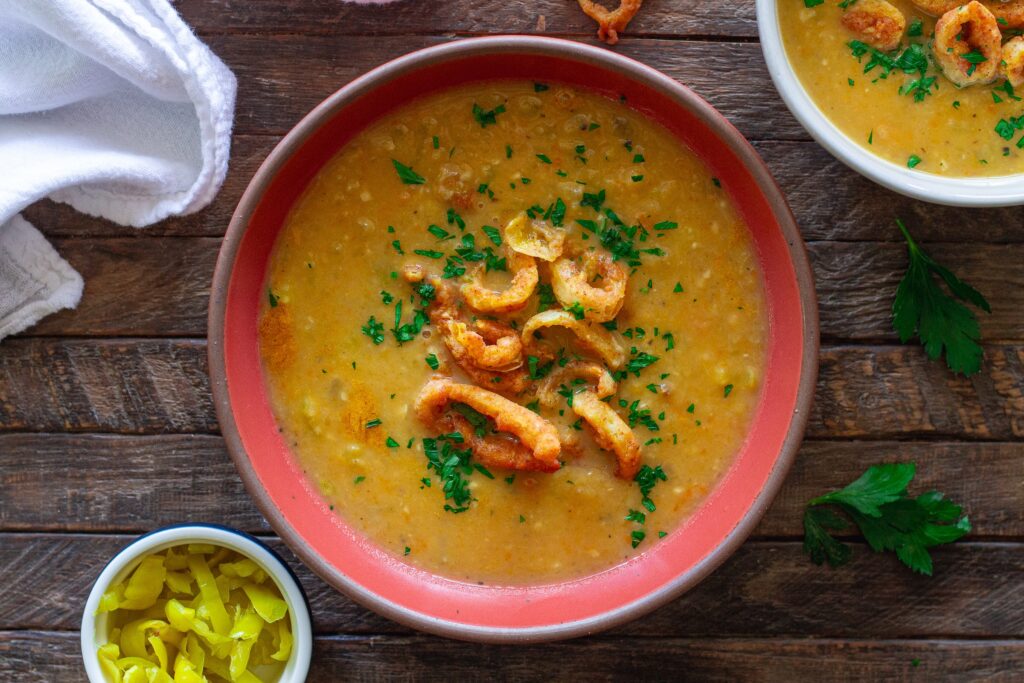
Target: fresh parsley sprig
column 923, row 308
column 886, row 515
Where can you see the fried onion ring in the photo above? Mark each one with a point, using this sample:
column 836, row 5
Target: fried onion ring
column 495, row 450
column 610, row 432
column 524, row 280
column 547, row 392
column 1011, row 12
column 493, row 346
column 533, row 431
column 591, row 336
column 571, row 285
column 1013, row 61
column 966, row 29
column 610, row 22
column 876, row 22
column 534, row 238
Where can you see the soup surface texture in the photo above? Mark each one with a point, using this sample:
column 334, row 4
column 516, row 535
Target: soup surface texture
column 897, row 103
column 349, row 344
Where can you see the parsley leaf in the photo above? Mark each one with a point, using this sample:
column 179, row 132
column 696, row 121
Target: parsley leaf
column 941, row 322
column 887, row 516
column 406, row 174
column 487, row 117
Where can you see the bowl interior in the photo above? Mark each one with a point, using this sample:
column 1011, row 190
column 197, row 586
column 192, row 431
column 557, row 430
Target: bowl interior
column 989, row 191
column 353, row 563
column 96, row 627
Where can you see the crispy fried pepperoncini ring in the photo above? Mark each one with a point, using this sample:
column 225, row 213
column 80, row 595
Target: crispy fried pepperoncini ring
column 610, row 432
column 533, row 431
column 590, row 336
column 547, row 391
column 514, row 298
column 611, row 22
column 571, row 283
column 960, row 35
column 1009, row 13
column 876, row 22
column 534, row 237
column 491, row 346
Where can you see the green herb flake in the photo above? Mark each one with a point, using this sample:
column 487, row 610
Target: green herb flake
column 272, row 298
column 374, row 330
column 359, row 480
column 406, row 174
column 391, row 443
column 433, row 362
column 487, row 117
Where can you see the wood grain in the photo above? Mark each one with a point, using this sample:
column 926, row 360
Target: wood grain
column 161, row 386
column 672, row 18
column 137, row 483
column 830, row 201
column 160, row 287
column 46, row 656
column 765, row 589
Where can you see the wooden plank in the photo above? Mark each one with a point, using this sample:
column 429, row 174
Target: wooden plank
column 45, row 656
column 675, row 18
column 161, row 386
column 830, row 201
column 160, row 287
column 130, row 483
column 273, row 94
column 109, row 385
column 765, row 589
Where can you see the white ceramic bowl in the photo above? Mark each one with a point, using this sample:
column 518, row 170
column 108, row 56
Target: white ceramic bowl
column 95, row 628
column 999, row 191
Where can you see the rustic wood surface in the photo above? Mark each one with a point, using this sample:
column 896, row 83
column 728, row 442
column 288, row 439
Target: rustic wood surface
column 107, row 427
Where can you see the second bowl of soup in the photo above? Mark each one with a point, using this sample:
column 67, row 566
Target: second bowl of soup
column 513, row 339
column 918, row 95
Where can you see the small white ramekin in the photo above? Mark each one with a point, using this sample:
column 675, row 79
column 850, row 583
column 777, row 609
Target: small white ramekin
column 997, row 191
column 94, row 626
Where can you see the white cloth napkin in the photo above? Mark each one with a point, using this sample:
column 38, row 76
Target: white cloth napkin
column 111, row 106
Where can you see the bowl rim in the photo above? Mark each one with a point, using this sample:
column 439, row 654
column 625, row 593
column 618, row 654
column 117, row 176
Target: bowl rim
column 992, row 191
column 715, row 122
column 297, row 667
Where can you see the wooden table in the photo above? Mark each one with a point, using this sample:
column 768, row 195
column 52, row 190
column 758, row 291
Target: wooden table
column 107, row 428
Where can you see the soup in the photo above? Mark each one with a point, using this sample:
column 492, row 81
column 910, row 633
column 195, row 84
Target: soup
column 898, row 100
column 514, row 332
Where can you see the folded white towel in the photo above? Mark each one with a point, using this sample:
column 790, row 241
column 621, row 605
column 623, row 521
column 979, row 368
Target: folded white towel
column 111, row 106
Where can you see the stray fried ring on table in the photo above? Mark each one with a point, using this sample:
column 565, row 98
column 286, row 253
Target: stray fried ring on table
column 962, row 33
column 610, row 432
column 611, row 22
column 590, row 336
column 514, row 298
column 571, row 284
column 876, row 22
column 533, row 431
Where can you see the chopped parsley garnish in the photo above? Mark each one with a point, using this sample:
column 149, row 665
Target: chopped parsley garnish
column 375, row 422
column 577, row 310
column 647, row 478
column 493, row 234
column 508, row 151
column 637, row 537
column 545, row 297
column 913, row 160
column 437, row 142
column 359, row 480
column 678, row 289
column 398, row 246
column 594, row 200
column 428, row 253
column 476, row 419
column 544, row 158
column 391, row 443
column 433, row 362
column 540, row 87
column 452, row 466
column 640, row 415
column 272, row 298
column 439, row 232
column 407, row 550
column 915, row 28
column 727, row 391
column 638, row 158
column 374, row 330
column 538, row 370
column 878, row 504
column 923, row 308
column 386, row 297
column 487, row 117
column 555, row 213
column 408, row 331
column 406, row 174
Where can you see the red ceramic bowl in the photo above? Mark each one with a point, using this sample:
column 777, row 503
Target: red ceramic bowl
column 351, row 562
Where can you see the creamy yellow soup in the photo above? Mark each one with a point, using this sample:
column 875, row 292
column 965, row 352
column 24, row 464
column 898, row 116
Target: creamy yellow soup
column 343, row 386
column 929, row 125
